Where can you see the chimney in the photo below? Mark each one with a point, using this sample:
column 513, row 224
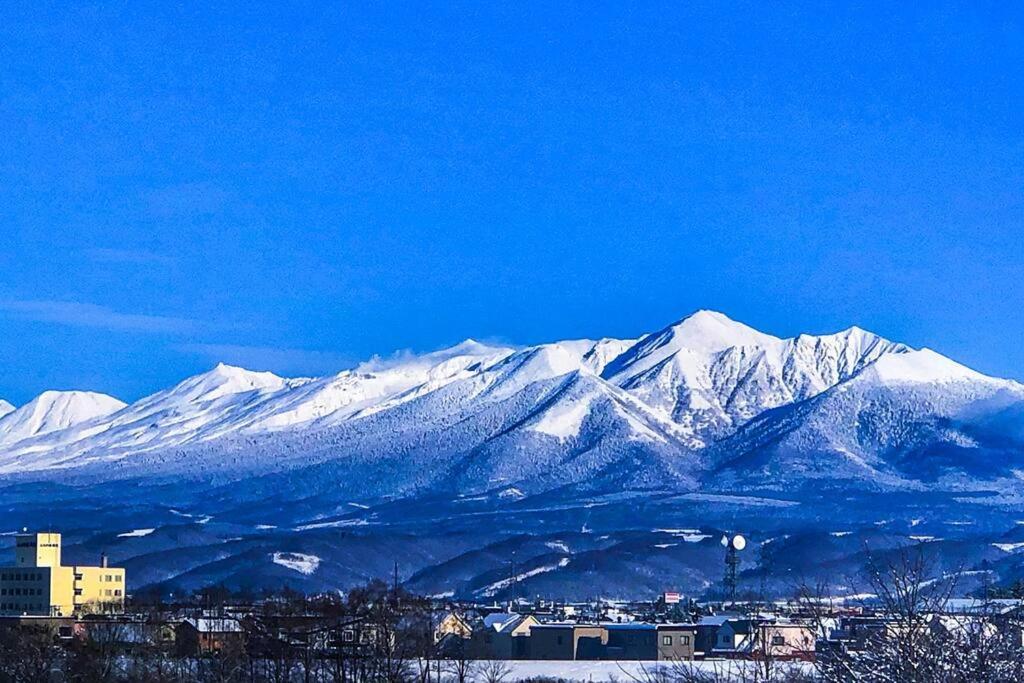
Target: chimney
column 103, row 560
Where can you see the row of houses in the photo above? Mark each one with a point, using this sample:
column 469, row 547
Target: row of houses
column 207, row 634
column 509, row 635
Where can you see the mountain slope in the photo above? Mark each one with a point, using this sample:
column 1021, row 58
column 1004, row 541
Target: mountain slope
column 706, row 399
column 908, row 420
column 711, row 375
column 228, row 401
column 5, row 407
column 610, row 465
column 194, row 408
column 532, row 421
column 53, row 411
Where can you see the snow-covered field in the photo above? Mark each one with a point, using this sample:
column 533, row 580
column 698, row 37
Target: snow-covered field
column 625, row 671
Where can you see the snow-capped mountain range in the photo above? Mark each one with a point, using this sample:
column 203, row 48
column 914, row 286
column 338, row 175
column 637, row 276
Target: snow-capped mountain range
column 611, row 464
column 706, row 399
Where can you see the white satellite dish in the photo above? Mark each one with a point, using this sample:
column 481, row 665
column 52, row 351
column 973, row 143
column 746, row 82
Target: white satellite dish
column 739, row 542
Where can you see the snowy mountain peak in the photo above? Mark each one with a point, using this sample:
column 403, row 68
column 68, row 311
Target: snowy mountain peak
column 224, row 380
column 689, row 342
column 468, row 347
column 604, row 351
column 5, row 407
column 712, row 374
column 55, row 410
column 863, row 339
column 710, row 331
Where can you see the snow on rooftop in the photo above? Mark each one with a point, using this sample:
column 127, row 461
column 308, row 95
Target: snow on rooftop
column 215, row 625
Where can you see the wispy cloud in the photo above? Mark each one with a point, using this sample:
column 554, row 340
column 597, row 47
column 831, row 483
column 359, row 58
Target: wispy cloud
column 131, row 256
column 77, row 314
column 283, row 361
column 378, row 363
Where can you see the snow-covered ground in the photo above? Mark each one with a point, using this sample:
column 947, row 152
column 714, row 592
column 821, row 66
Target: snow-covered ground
column 623, row 671
column 505, row 583
column 136, row 533
column 300, row 562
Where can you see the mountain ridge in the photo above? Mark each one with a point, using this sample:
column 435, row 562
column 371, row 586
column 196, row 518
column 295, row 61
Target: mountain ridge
column 629, row 457
column 646, row 405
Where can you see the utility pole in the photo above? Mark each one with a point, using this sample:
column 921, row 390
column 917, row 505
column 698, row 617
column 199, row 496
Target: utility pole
column 394, row 585
column 513, row 580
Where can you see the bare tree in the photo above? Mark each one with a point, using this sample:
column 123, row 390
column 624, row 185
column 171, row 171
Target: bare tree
column 460, row 667
column 96, row 656
column 28, row 655
column 914, row 637
column 493, row 671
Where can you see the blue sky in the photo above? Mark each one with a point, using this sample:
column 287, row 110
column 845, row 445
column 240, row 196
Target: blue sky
column 298, row 186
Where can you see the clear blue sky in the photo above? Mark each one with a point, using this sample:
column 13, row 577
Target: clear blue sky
column 298, row 186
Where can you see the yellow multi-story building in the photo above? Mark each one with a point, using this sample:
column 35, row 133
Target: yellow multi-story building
column 39, row 585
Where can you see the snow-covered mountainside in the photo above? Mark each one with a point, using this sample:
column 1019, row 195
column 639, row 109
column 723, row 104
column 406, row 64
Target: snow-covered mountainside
column 706, row 399
column 710, row 374
column 227, row 402
column 5, row 407
column 53, row 411
column 908, row 420
column 612, row 461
